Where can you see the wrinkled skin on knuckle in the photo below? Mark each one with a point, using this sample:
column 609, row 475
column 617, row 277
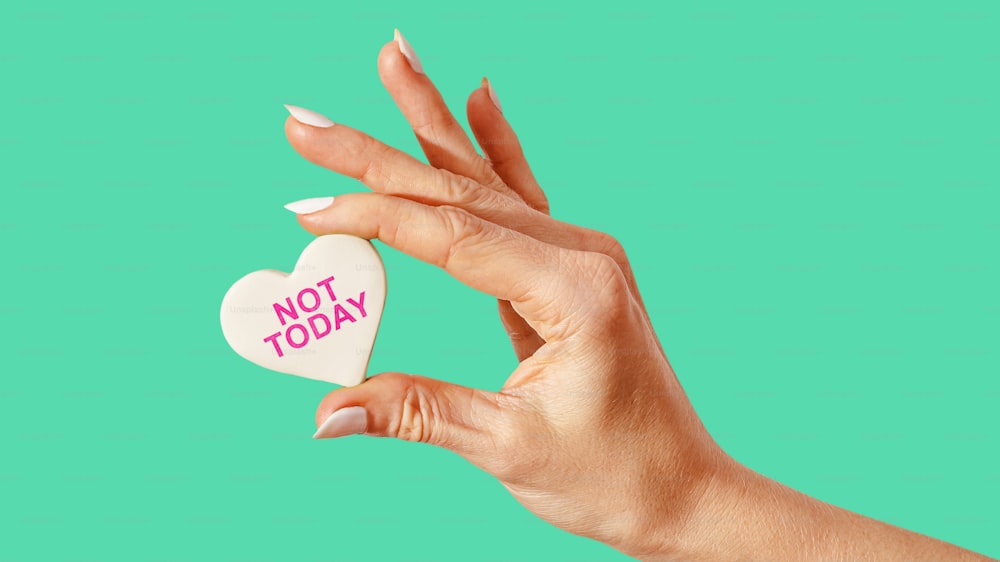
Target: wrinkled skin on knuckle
column 469, row 231
column 609, row 245
column 548, row 284
column 613, row 341
column 453, row 189
column 483, row 169
column 559, row 286
column 607, row 284
column 463, row 228
column 590, row 240
column 473, row 197
column 417, row 411
column 482, row 201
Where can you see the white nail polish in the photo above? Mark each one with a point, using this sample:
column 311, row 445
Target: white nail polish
column 345, row 421
column 408, row 52
column 303, row 115
column 306, row 206
column 493, row 95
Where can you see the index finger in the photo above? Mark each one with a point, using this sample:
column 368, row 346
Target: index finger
column 485, row 256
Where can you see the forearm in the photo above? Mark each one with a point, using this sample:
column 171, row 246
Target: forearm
column 745, row 516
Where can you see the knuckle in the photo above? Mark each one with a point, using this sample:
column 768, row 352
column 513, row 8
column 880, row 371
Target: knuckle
column 461, row 222
column 607, row 280
column 459, row 191
column 417, row 411
column 483, row 168
column 462, row 226
column 487, row 175
column 608, row 245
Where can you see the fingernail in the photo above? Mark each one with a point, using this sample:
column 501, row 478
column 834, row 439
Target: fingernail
column 345, row 421
column 306, row 206
column 408, row 52
column 303, row 115
column 493, row 94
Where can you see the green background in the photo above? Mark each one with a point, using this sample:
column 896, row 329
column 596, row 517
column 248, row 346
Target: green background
column 808, row 196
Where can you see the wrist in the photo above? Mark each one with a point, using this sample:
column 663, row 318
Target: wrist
column 741, row 514
column 687, row 507
column 706, row 521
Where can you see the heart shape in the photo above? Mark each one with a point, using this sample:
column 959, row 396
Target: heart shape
column 318, row 322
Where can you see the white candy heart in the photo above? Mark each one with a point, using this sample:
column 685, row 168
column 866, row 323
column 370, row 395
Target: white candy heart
column 318, row 322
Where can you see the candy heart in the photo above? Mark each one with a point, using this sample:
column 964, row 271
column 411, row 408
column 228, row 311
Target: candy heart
column 318, row 322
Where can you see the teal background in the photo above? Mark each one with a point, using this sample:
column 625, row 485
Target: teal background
column 808, row 196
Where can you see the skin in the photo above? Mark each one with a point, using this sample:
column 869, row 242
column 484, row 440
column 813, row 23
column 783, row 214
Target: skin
column 592, row 431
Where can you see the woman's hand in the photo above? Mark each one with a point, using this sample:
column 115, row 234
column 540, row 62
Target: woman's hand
column 592, row 422
column 592, row 431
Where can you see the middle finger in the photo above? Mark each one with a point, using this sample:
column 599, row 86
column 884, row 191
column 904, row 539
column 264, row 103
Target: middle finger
column 441, row 137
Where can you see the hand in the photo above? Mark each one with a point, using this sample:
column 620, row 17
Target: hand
column 593, row 420
column 592, row 431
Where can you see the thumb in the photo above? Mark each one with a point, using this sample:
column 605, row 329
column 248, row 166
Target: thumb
column 468, row 421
